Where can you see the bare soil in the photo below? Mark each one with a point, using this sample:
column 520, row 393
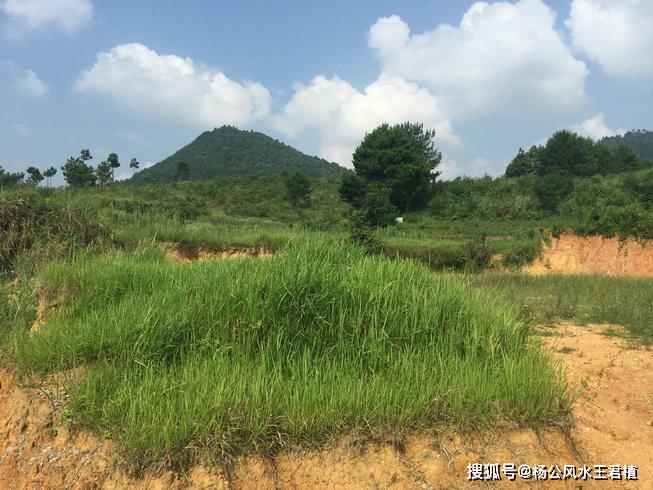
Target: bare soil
column 613, row 425
column 186, row 255
column 571, row 254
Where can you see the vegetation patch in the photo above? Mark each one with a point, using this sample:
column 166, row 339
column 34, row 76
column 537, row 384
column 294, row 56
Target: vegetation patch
column 583, row 299
column 219, row 357
column 29, row 224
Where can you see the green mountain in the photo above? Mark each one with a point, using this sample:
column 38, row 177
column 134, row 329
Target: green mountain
column 640, row 141
column 230, row 152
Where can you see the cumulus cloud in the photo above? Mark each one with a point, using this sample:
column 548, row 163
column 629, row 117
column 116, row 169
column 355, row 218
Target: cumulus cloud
column 341, row 114
column 618, row 35
column 595, row 128
column 31, row 15
column 170, row 87
column 502, row 57
column 32, row 84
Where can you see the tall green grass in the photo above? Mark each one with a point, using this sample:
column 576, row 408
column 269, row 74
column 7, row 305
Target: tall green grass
column 584, row 298
column 225, row 356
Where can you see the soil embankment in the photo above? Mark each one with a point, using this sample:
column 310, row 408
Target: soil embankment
column 613, row 416
column 571, row 254
column 186, row 255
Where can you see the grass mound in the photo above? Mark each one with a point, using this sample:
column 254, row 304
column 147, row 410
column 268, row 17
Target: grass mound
column 226, row 356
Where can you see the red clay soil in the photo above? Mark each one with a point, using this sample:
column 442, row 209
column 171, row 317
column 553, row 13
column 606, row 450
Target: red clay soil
column 571, row 254
column 613, row 425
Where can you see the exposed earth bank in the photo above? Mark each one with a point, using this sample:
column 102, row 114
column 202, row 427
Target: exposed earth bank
column 571, row 254
column 613, row 425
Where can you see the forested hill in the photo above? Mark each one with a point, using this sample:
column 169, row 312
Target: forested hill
column 230, row 152
column 640, row 141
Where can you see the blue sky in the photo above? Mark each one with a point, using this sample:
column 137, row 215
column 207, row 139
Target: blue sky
column 145, row 78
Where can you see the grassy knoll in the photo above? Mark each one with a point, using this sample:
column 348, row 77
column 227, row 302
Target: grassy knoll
column 225, row 356
column 583, row 299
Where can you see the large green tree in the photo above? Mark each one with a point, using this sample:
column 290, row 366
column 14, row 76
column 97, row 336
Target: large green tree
column 401, row 158
column 568, row 153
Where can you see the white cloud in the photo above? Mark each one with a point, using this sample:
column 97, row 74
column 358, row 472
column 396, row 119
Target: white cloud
column 342, row 115
column 32, row 85
column 170, row 87
column 25, row 80
column 617, row 34
column 595, row 128
column 31, row 15
column 502, row 58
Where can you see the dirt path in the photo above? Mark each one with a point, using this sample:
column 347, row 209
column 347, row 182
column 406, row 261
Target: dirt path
column 614, row 418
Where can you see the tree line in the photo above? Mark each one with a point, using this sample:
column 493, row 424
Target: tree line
column 77, row 172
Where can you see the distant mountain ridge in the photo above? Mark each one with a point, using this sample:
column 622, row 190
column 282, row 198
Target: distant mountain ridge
column 640, row 141
column 231, row 152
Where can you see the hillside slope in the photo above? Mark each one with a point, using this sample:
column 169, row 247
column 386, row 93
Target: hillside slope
column 640, row 141
column 230, row 152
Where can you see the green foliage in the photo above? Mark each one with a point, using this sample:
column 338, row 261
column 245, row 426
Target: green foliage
column 10, row 179
column 317, row 341
column 401, row 158
column 77, row 172
column 583, row 299
column 103, row 173
column 230, row 152
column 298, row 190
column 44, row 228
column 640, row 185
column 486, row 198
column 376, row 207
column 182, row 171
column 114, row 163
column 567, row 153
column 35, row 176
column 352, row 188
column 639, row 141
column 523, row 164
column 134, row 164
column 551, row 189
column 48, row 174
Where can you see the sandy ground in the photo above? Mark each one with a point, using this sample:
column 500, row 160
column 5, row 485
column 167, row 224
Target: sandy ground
column 187, row 255
column 613, row 425
column 571, row 254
